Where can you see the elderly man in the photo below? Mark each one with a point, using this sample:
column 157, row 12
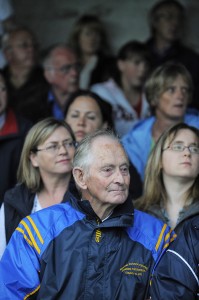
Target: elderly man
column 96, row 248
column 61, row 70
column 27, row 87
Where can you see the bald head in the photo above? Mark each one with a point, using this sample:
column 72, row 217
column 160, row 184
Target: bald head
column 61, row 69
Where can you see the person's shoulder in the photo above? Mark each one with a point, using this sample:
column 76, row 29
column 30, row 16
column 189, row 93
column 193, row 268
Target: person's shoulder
column 140, row 127
column 192, row 119
column 45, row 225
column 102, row 85
column 151, row 232
column 192, row 224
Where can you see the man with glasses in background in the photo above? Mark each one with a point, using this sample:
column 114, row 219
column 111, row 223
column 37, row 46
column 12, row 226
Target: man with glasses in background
column 61, row 70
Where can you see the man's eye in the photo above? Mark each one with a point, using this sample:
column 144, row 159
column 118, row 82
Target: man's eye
column 125, row 170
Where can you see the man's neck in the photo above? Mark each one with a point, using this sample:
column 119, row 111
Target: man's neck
column 61, row 97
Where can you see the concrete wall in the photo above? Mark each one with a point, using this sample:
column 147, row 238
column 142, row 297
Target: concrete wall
column 52, row 20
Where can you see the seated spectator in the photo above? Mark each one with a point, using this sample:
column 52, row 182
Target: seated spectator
column 89, row 39
column 7, row 23
column 13, row 129
column 168, row 91
column 44, row 174
column 26, row 84
column 91, row 247
column 171, row 185
column 85, row 113
column 167, row 20
column 61, row 70
column 176, row 276
column 124, row 91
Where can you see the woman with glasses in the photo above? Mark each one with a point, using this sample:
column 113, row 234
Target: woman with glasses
column 171, row 185
column 44, row 174
column 168, row 90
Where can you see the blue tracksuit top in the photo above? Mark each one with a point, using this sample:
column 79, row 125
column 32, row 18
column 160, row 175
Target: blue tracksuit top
column 65, row 252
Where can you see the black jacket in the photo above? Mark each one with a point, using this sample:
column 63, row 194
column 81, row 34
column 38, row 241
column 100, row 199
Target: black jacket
column 18, row 203
column 10, row 151
column 176, row 276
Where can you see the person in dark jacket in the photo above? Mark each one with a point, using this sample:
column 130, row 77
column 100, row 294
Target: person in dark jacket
column 176, row 276
column 13, row 129
column 44, row 174
column 94, row 248
column 27, row 87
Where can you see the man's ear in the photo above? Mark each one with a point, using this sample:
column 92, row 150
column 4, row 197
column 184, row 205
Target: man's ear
column 48, row 74
column 80, row 178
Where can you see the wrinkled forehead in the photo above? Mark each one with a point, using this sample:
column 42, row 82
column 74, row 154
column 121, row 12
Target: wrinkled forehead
column 107, row 149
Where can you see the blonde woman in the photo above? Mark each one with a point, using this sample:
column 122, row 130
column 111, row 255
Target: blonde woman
column 44, row 174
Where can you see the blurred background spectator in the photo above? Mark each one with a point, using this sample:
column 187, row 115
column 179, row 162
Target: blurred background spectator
column 7, row 23
column 13, row 129
column 167, row 19
column 27, row 87
column 61, row 70
column 124, row 91
column 168, row 90
column 89, row 39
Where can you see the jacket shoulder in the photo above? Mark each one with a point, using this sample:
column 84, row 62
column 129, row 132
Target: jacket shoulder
column 151, row 232
column 40, row 228
column 192, row 120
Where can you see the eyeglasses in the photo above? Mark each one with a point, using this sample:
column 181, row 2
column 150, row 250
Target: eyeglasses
column 180, row 148
column 66, row 68
column 54, row 148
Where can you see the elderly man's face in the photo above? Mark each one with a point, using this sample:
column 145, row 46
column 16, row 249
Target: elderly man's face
column 63, row 71
column 108, row 176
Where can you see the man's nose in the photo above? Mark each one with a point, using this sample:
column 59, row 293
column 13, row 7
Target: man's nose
column 119, row 178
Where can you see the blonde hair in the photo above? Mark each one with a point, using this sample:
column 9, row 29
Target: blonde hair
column 161, row 78
column 37, row 135
column 154, row 190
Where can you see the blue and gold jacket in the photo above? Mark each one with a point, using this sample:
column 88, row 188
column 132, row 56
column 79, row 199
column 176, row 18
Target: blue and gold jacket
column 66, row 252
